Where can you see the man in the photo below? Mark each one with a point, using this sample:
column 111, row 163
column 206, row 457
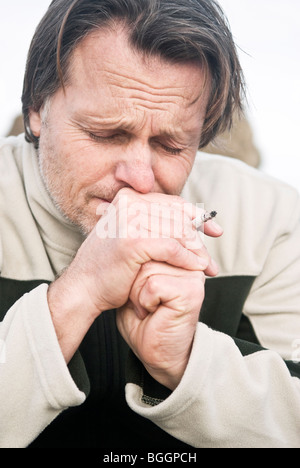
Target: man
column 103, row 274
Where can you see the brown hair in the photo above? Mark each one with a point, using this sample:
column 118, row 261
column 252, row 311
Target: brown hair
column 177, row 30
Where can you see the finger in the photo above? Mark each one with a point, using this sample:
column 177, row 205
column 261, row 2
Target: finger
column 194, row 242
column 181, row 294
column 164, row 275
column 172, row 219
column 160, row 204
column 139, row 311
column 189, row 238
column 127, row 320
column 146, row 271
column 172, row 252
column 211, row 228
column 213, row 269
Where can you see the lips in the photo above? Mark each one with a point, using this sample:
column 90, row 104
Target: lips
column 104, row 200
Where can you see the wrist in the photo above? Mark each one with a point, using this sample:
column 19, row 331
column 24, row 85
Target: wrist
column 169, row 378
column 72, row 314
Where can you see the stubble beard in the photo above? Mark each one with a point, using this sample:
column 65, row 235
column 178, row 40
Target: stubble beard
column 54, row 185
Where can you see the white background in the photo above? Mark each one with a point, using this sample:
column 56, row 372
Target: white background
column 268, row 35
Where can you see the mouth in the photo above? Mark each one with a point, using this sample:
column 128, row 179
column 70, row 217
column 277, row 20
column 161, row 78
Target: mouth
column 99, row 205
column 102, row 201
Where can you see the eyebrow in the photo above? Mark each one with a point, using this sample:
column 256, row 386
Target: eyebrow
column 88, row 121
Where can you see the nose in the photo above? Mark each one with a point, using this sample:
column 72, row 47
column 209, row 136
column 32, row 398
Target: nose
column 135, row 169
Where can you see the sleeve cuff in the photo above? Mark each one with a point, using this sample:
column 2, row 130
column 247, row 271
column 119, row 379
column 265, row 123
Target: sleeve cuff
column 56, row 378
column 160, row 403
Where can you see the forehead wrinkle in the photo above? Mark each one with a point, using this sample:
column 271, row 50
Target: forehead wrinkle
column 115, row 122
column 145, row 87
column 108, row 53
column 150, row 97
column 141, row 90
column 91, row 118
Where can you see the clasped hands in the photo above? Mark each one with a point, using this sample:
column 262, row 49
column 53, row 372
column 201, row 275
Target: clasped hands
column 159, row 319
column 145, row 259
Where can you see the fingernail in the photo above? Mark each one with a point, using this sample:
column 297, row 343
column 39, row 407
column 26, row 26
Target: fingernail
column 203, row 264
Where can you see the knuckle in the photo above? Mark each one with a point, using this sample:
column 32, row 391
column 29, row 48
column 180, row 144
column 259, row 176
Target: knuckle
column 147, row 268
column 173, row 248
column 153, row 283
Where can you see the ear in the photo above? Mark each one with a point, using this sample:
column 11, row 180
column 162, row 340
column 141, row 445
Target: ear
column 35, row 122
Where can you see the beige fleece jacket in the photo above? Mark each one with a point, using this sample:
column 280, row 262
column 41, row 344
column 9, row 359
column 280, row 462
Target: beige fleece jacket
column 225, row 399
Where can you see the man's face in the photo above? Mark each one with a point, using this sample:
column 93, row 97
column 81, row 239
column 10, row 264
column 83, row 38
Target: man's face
column 125, row 120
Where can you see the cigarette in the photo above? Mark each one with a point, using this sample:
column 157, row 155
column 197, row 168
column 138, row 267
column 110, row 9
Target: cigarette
column 197, row 222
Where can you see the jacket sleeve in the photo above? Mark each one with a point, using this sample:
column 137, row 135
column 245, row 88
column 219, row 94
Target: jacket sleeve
column 236, row 393
column 227, row 400
column 36, row 385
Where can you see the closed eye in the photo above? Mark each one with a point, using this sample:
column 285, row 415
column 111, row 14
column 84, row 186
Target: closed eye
column 103, row 138
column 174, row 151
column 115, row 136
